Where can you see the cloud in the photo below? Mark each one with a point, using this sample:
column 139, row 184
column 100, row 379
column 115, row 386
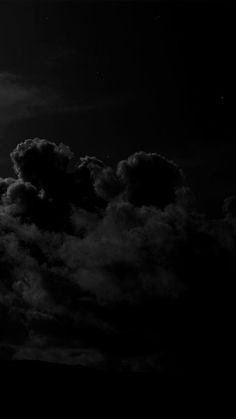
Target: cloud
column 40, row 162
column 229, row 207
column 99, row 253
column 149, row 179
column 19, row 100
column 142, row 179
column 5, row 183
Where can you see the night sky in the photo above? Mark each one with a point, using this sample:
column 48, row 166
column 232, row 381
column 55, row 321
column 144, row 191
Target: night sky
column 117, row 185
column 112, row 78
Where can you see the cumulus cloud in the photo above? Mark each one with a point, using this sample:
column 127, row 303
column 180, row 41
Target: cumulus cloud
column 149, row 179
column 103, row 253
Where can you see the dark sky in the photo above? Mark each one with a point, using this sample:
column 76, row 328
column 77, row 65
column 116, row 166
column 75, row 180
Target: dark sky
column 109, row 79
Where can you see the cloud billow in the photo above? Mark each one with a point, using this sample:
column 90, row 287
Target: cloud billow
column 98, row 252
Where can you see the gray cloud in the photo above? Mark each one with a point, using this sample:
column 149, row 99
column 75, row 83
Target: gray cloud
column 80, row 258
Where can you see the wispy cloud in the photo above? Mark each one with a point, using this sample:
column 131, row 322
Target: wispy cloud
column 21, row 100
column 16, row 100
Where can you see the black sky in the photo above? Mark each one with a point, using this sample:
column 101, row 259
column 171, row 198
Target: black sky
column 112, row 78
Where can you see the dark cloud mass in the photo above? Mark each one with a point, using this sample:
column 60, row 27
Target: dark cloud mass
column 114, row 260
column 41, row 162
column 149, row 179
